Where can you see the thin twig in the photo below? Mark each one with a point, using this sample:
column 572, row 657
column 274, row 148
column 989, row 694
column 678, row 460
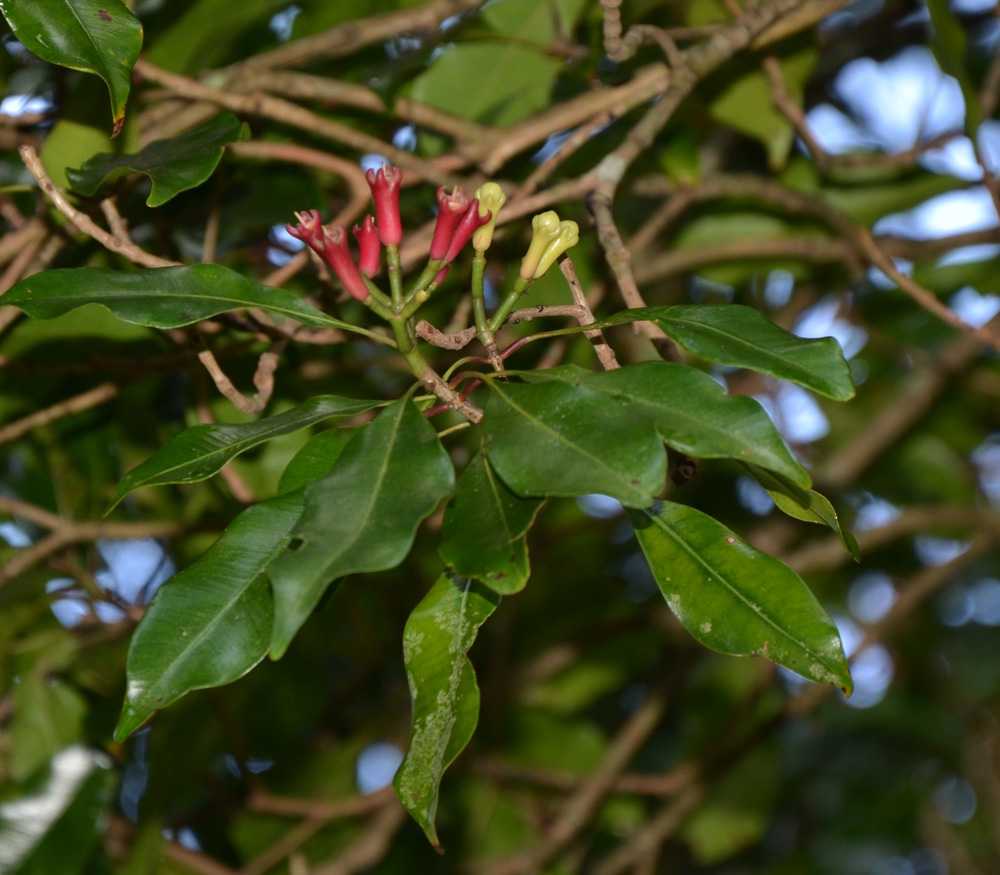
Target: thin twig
column 77, row 404
column 605, row 354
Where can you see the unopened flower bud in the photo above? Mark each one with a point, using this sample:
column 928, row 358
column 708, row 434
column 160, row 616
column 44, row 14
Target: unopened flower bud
column 546, row 229
column 451, row 208
column 569, row 236
column 385, row 192
column 369, row 245
column 470, row 221
column 338, row 256
column 491, row 198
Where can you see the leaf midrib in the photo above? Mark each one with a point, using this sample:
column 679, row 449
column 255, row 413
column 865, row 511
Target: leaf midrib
column 718, row 576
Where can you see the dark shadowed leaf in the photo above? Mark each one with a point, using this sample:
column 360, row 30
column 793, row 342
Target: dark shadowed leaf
column 732, row 334
column 315, row 459
column 201, row 451
column 164, row 297
column 735, row 599
column 94, row 36
column 443, row 687
column 484, row 527
column 211, row 623
column 173, row 165
column 363, row 515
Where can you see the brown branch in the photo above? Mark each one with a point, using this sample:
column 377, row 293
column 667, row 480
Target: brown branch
column 286, row 112
column 263, row 379
column 605, row 354
column 82, row 221
column 373, row 844
column 790, row 109
column 77, row 404
column 582, row 807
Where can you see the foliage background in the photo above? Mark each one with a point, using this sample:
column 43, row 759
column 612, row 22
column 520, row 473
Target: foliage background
column 830, row 174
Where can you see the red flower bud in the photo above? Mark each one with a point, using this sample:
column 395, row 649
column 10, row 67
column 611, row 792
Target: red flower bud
column 369, row 245
column 385, row 192
column 470, row 221
column 330, row 244
column 451, row 208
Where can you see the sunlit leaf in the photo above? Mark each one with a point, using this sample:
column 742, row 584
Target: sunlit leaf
column 742, row 337
column 363, row 515
column 735, row 599
column 164, row 297
column 173, row 165
column 443, row 687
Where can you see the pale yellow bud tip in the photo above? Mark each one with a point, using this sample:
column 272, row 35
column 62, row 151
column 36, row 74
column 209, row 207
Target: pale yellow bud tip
column 491, row 199
column 546, row 230
column 569, row 236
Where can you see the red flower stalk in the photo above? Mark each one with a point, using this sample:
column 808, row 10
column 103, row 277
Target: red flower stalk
column 385, row 192
column 370, row 246
column 330, row 244
column 467, row 225
column 451, row 208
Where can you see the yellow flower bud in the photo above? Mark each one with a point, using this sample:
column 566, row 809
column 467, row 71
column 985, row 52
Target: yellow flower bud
column 491, row 199
column 569, row 236
column 546, row 230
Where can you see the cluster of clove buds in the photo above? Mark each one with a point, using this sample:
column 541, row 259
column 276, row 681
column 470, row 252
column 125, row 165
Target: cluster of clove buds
column 459, row 219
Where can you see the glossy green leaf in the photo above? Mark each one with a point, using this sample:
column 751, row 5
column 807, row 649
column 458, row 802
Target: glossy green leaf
column 804, row 504
column 315, row 459
column 443, row 687
column 93, row 36
column 164, row 297
column 484, row 528
column 211, row 623
column 735, row 599
column 742, row 337
column 567, row 431
column 55, row 827
column 202, row 450
column 363, row 515
column 173, row 165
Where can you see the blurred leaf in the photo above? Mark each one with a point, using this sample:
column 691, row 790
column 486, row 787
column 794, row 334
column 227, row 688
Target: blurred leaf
column 174, row 165
column 568, row 431
column 532, row 21
column 205, row 30
column 742, row 337
column 490, row 81
column 804, row 504
column 211, row 623
column 484, row 528
column 48, row 716
column 443, row 687
column 315, row 459
column 165, row 297
column 93, row 36
column 68, row 143
column 747, row 103
column 735, row 599
column 202, row 450
column 363, row 515
column 55, row 828
column 950, row 47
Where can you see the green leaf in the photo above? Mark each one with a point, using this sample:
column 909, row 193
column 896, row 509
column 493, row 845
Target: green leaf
column 164, row 297
column 211, row 623
column 363, row 515
column 484, row 528
column 443, row 687
column 495, row 81
column 48, row 715
column 735, row 599
column 202, row 450
column 56, row 827
column 742, row 337
column 804, row 504
column 315, row 459
column 568, row 431
column 93, row 36
column 174, row 165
